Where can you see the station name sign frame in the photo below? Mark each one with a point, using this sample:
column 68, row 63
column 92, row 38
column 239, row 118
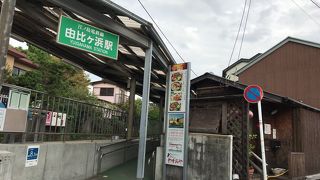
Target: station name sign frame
column 88, row 38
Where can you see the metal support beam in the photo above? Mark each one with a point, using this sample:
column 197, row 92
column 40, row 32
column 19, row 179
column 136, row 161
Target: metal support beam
column 161, row 118
column 33, row 12
column 131, row 107
column 6, row 19
column 186, row 130
column 160, row 57
column 102, row 20
column 165, row 121
column 144, row 113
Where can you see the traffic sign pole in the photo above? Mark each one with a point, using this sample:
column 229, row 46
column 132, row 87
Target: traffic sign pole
column 263, row 153
column 254, row 94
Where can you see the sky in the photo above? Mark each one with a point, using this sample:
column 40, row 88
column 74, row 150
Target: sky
column 204, row 31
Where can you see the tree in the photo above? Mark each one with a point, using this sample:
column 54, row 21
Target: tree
column 53, row 76
column 154, row 123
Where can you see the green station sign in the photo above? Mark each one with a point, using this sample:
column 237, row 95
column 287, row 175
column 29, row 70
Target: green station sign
column 88, row 38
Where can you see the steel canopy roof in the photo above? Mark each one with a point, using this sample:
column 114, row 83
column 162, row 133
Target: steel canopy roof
column 36, row 22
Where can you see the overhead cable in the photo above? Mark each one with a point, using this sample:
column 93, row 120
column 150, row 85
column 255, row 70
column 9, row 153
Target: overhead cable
column 235, row 42
column 244, row 29
column 305, row 12
column 164, row 35
column 315, row 3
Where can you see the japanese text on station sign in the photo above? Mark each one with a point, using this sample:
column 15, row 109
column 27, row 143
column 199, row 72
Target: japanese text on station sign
column 85, row 37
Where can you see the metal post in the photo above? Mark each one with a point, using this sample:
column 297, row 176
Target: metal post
column 186, row 132
column 144, row 113
column 131, row 107
column 263, row 154
column 164, row 130
column 161, row 118
column 6, row 19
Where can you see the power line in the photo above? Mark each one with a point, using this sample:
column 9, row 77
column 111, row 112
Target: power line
column 315, row 3
column 305, row 12
column 235, row 42
column 164, row 35
column 244, row 30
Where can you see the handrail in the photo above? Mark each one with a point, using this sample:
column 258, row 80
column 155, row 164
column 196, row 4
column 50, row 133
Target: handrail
column 108, row 145
column 257, row 157
column 255, row 166
column 312, row 177
column 124, row 147
column 126, row 141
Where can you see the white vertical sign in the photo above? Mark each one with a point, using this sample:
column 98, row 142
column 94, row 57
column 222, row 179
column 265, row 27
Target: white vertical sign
column 274, row 133
column 2, row 117
column 175, row 139
column 177, row 117
column 32, row 155
column 267, row 128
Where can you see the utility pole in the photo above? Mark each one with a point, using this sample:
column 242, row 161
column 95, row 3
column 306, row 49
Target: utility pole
column 6, row 19
column 131, row 107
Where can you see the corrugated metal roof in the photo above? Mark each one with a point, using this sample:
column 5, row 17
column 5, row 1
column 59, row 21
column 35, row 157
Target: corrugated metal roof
column 36, row 22
column 267, row 96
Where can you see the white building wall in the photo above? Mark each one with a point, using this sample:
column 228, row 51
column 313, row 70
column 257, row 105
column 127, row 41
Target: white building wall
column 112, row 99
column 230, row 73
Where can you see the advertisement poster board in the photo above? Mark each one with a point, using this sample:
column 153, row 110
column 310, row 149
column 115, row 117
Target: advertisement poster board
column 56, row 119
column 177, row 121
column 32, row 155
column 175, row 139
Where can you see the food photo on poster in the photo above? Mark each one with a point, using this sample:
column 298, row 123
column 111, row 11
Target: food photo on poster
column 175, row 106
column 176, row 77
column 176, row 120
column 177, row 88
column 176, row 96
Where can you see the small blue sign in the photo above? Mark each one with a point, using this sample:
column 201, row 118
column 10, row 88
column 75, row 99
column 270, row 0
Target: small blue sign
column 253, row 93
column 32, row 155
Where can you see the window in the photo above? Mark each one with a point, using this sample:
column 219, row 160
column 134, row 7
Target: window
column 17, row 71
column 106, row 91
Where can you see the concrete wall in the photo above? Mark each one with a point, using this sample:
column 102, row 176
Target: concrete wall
column 210, row 156
column 69, row 160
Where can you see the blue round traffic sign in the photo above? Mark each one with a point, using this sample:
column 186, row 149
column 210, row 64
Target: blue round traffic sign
column 253, row 93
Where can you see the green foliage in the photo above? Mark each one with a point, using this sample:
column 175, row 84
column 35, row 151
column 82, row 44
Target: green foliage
column 252, row 139
column 53, row 76
column 154, row 123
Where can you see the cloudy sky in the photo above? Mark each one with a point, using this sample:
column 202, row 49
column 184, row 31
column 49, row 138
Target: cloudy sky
column 204, row 31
